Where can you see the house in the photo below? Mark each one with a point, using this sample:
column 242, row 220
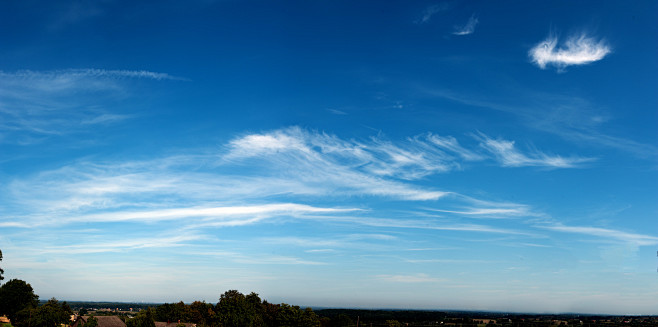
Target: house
column 103, row 321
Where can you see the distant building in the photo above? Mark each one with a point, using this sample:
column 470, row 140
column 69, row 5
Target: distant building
column 103, row 321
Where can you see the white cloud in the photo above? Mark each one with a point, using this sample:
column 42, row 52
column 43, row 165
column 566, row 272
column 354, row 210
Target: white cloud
column 572, row 118
column 211, row 213
column 35, row 105
column 501, row 212
column 344, row 166
column 467, row 28
column 577, row 50
column 506, row 153
column 451, row 144
column 260, row 176
column 122, row 245
column 636, row 239
column 431, row 11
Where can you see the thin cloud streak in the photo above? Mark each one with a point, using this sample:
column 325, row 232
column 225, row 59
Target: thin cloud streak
column 118, row 246
column 468, row 28
column 35, row 105
column 509, row 156
column 637, row 239
column 432, row 10
column 210, row 213
column 546, row 112
column 577, row 50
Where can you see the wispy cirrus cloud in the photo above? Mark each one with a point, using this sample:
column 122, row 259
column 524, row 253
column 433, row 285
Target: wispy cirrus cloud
column 432, row 10
column 228, row 215
column 509, row 156
column 500, row 212
column 570, row 117
column 39, row 104
column 577, row 50
column 358, row 167
column 123, row 245
column 632, row 238
column 468, row 28
column 255, row 177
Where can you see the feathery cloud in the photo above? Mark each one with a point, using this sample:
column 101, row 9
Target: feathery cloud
column 468, row 28
column 38, row 104
column 577, row 50
column 431, row 11
column 636, row 239
column 509, row 156
column 122, row 245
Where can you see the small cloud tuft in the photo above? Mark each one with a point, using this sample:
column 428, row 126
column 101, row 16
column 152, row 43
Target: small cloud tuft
column 577, row 50
column 431, row 11
column 467, row 28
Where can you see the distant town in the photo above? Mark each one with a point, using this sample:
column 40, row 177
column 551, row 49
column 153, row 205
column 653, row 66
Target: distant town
column 21, row 307
column 238, row 310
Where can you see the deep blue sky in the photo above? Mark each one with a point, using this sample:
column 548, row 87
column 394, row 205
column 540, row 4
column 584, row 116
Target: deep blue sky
column 442, row 155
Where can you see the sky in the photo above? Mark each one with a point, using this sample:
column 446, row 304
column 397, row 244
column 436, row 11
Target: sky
column 467, row 155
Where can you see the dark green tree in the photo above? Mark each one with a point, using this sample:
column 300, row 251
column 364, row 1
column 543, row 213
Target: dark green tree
column 232, row 309
column 309, row 318
column 143, row 319
column 51, row 314
column 91, row 322
column 1, row 271
column 83, row 312
column 393, row 323
column 201, row 313
column 16, row 295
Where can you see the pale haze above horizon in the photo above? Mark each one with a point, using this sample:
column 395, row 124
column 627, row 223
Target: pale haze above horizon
column 455, row 155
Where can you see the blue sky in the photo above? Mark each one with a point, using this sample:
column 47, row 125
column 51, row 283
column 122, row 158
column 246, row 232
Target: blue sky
column 429, row 155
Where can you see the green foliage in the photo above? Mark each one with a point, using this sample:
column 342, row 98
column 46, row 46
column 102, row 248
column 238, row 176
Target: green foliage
column 144, row 318
column 173, row 312
column 393, row 323
column 51, row 314
column 83, row 312
column 16, row 295
column 91, row 322
column 237, row 309
column 1, row 271
column 201, row 313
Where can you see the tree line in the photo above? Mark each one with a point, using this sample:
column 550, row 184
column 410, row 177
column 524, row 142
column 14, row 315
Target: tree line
column 234, row 309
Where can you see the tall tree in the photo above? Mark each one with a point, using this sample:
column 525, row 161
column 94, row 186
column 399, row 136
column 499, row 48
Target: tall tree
column 143, row 319
column 201, row 313
column 91, row 322
column 1, row 271
column 237, row 310
column 51, row 314
column 16, row 295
